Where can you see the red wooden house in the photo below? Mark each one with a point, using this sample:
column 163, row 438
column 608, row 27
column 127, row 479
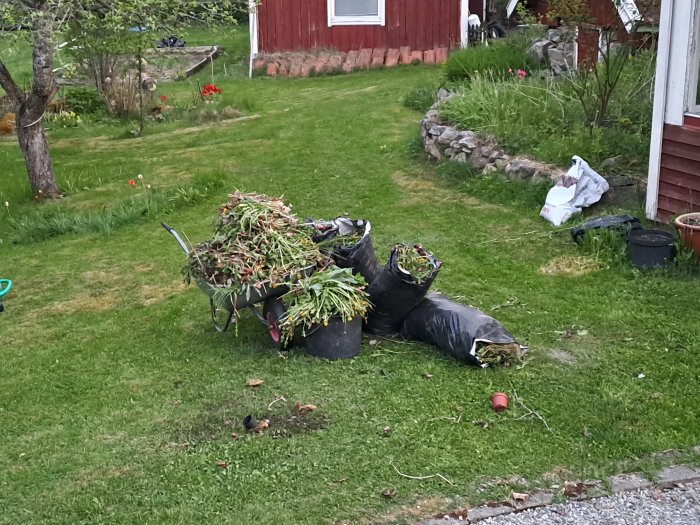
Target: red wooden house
column 674, row 158
column 347, row 25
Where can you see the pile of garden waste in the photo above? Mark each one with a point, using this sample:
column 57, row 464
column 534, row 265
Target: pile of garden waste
column 257, row 242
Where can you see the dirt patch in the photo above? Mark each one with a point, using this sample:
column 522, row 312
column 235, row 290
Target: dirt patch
column 418, row 190
column 562, row 356
column 84, row 302
column 150, row 294
column 226, row 419
column 571, row 265
column 416, row 511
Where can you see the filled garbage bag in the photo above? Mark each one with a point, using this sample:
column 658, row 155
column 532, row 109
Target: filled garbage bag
column 460, row 331
column 399, row 287
column 349, row 243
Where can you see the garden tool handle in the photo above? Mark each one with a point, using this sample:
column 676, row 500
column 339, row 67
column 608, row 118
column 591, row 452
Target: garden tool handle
column 172, row 232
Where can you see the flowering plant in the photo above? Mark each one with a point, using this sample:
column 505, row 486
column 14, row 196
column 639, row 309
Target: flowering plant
column 521, row 73
column 209, row 90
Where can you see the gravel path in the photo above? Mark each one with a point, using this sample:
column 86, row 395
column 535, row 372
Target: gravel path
column 678, row 506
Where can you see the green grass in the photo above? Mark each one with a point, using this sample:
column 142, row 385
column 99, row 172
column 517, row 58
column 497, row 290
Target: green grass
column 118, row 400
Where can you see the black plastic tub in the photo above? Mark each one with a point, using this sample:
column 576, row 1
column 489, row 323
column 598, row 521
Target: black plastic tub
column 651, row 248
column 338, row 340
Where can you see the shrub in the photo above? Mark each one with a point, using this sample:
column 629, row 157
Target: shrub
column 84, row 101
column 491, row 61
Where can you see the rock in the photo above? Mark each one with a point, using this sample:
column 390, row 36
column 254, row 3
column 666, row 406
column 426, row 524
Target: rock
column 449, row 152
column 501, row 164
column 443, row 95
column 432, row 148
column 554, row 35
column 485, row 151
column 487, row 511
column 437, row 130
column 489, row 168
column 540, row 176
column 496, row 154
column 448, row 135
column 432, row 115
column 558, row 60
column 538, row 50
column 634, row 481
column 469, row 140
column 461, row 158
column 478, row 162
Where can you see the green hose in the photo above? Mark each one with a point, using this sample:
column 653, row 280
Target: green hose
column 5, row 285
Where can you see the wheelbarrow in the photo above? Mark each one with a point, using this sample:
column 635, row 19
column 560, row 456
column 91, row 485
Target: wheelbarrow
column 264, row 300
column 5, row 285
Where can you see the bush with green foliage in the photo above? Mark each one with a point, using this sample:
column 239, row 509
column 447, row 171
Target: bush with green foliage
column 83, row 100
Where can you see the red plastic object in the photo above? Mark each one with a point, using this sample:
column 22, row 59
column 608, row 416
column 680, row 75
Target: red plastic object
column 499, row 401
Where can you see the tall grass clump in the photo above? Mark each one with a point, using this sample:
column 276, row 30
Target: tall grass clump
column 543, row 117
column 494, row 61
column 421, row 96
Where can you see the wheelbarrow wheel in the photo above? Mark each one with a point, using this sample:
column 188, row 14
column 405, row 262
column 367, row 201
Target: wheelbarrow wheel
column 216, row 312
column 273, row 310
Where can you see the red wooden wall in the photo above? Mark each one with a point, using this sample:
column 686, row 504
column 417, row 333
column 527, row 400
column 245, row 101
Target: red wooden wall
column 679, row 181
column 287, row 25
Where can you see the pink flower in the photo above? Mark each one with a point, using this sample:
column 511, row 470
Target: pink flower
column 510, row 70
column 522, row 73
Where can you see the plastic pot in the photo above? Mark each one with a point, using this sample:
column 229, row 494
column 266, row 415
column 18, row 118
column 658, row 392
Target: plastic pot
column 651, row 248
column 499, row 401
column 689, row 231
column 338, row 340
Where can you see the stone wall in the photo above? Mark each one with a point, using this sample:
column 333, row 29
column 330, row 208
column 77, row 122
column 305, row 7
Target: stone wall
column 482, row 153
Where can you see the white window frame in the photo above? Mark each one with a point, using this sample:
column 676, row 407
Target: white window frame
column 692, row 90
column 370, row 20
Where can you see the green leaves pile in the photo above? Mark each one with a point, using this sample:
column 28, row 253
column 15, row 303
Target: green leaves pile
column 257, row 242
column 313, row 301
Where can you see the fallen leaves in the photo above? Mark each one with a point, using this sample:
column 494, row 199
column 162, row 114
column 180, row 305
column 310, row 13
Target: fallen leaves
column 520, row 496
column 254, row 382
column 389, row 493
column 299, row 406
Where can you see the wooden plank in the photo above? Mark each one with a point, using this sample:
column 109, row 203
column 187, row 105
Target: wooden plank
column 411, row 29
column 392, row 27
column 295, row 25
column 679, row 179
column 304, row 33
column 681, row 150
column 690, row 167
column 674, row 206
column 678, row 192
column 681, row 134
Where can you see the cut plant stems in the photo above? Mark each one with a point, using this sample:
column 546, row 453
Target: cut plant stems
column 415, row 260
column 257, row 242
column 313, row 301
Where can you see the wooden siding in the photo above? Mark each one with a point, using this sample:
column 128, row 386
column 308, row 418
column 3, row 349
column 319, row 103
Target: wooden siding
column 679, row 181
column 288, row 25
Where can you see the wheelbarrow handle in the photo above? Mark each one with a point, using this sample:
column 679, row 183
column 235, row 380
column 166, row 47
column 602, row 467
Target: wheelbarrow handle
column 172, row 232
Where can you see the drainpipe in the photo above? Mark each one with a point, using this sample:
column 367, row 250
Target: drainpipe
column 663, row 57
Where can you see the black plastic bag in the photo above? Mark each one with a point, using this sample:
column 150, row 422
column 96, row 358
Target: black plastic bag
column 456, row 329
column 395, row 292
column 359, row 256
column 170, row 42
column 620, row 223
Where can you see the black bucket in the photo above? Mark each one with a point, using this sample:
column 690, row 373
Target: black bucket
column 651, row 248
column 338, row 340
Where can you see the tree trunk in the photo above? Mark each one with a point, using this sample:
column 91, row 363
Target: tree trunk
column 30, row 107
column 35, row 148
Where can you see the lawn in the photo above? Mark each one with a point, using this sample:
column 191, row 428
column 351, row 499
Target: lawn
column 119, row 404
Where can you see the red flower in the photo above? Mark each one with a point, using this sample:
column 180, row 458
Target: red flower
column 132, row 182
column 162, row 98
column 210, row 89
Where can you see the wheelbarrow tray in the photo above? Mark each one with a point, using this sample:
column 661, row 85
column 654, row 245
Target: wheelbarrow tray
column 239, row 299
